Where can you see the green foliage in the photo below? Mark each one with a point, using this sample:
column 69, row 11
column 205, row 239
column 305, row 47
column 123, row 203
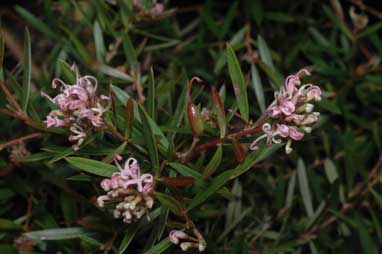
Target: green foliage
column 323, row 198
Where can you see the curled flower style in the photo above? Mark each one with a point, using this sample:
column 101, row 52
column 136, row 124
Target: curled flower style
column 186, row 241
column 79, row 107
column 291, row 113
column 132, row 191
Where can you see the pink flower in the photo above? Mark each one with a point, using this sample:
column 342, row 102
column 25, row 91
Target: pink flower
column 314, row 93
column 186, row 241
column 80, row 109
column 106, row 184
column 286, row 107
column 283, row 130
column 295, row 134
column 290, row 113
column 175, row 235
column 133, row 188
column 54, row 121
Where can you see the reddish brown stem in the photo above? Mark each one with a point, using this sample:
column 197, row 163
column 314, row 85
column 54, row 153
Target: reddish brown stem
column 18, row 140
column 12, row 101
column 224, row 139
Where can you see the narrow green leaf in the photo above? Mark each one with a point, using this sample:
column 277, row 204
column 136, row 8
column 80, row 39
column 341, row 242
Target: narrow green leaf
column 214, row 163
column 27, row 67
column 171, row 203
column 185, row 171
column 304, row 187
column 99, row 42
column 35, row 157
column 238, row 83
column 330, row 170
column 265, row 53
column 151, row 95
column 130, row 53
column 290, row 191
column 258, row 87
column 129, row 115
column 69, row 75
column 180, row 106
column 217, row 183
column 92, row 166
column 57, row 234
column 253, row 158
column 369, row 246
column 112, row 72
column 149, row 139
column 128, row 237
column 160, row 247
column 123, row 97
column 78, row 45
column 35, row 22
column 274, row 77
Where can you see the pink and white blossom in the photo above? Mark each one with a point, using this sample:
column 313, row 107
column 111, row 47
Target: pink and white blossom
column 290, row 113
column 79, row 107
column 186, row 241
column 133, row 188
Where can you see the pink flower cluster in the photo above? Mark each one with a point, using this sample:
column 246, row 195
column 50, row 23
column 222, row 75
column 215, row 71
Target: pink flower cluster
column 186, row 241
column 79, row 108
column 132, row 190
column 291, row 112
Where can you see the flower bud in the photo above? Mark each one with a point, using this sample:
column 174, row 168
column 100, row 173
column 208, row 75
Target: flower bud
column 196, row 120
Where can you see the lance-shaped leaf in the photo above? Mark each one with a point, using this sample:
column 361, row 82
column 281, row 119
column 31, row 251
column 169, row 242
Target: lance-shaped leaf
column 129, row 51
column 99, row 42
column 171, row 203
column 151, row 95
column 160, row 247
column 129, row 114
column 212, row 188
column 238, row 83
column 330, row 170
column 57, row 233
column 304, row 187
column 92, row 166
column 27, row 70
column 149, row 139
column 213, row 164
column 219, row 110
column 66, row 69
column 258, row 87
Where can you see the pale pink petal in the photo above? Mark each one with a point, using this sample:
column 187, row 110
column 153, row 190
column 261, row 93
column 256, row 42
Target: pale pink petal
column 283, row 130
column 287, row 107
column 295, row 134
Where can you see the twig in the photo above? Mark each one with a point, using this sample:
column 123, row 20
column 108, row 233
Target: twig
column 12, row 101
column 20, row 139
column 224, row 139
column 28, row 215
